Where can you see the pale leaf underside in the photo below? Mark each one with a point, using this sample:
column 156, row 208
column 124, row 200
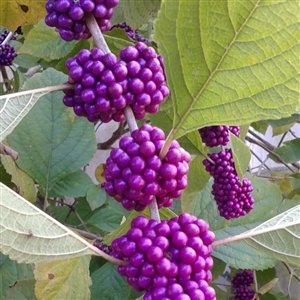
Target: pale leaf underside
column 27, row 234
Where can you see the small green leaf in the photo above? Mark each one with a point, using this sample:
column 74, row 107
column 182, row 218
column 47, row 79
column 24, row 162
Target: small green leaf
column 43, row 41
column 108, row 284
column 289, row 152
column 96, row 196
column 241, row 155
column 25, row 60
column 267, row 287
column 260, row 126
column 191, row 142
column 22, row 290
column 109, row 217
column 197, row 180
column 74, row 185
column 11, row 273
column 63, row 279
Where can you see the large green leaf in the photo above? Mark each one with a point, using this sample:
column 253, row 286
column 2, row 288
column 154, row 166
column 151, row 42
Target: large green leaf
column 289, row 152
column 279, row 237
column 51, row 141
column 63, row 279
column 27, row 234
column 43, row 41
column 229, row 62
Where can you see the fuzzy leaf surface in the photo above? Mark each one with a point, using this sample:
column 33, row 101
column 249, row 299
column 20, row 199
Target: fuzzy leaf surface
column 27, row 234
column 229, row 62
column 63, row 279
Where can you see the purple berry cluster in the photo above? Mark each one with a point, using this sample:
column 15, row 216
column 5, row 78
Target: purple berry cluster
column 7, row 54
column 146, row 79
column 4, row 34
column 105, row 248
column 104, row 86
column 68, row 16
column 136, row 175
column 133, row 34
column 168, row 260
column 213, row 136
column 241, row 283
column 99, row 83
column 232, row 196
column 244, row 278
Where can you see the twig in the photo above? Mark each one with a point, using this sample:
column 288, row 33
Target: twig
column 255, row 283
column 88, row 235
column 8, row 151
column 8, row 38
column 251, row 140
column 115, row 136
column 81, row 221
column 96, row 33
column 5, row 78
column 260, row 160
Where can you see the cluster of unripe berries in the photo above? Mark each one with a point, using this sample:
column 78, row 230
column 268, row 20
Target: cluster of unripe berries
column 133, row 34
column 104, row 85
column 232, row 196
column 136, row 175
column 241, row 283
column 7, row 51
column 168, row 260
column 68, row 16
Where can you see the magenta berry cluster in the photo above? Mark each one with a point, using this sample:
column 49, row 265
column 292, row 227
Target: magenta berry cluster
column 244, row 278
column 7, row 54
column 104, row 86
column 99, row 83
column 68, row 16
column 136, row 175
column 232, row 196
column 146, row 79
column 213, row 136
column 168, row 260
column 241, row 283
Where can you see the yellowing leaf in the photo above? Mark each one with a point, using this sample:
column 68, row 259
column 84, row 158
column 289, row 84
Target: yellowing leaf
column 99, row 173
column 14, row 13
column 63, row 279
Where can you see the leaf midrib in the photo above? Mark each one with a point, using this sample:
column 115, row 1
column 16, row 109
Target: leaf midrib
column 190, row 107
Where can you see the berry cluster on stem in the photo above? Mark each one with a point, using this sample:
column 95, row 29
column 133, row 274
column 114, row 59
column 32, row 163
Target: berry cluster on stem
column 241, row 283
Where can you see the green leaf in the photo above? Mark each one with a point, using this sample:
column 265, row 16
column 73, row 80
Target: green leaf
column 27, row 234
column 24, row 182
column 24, row 12
column 165, row 214
column 11, row 273
column 109, row 217
column 260, row 126
column 25, row 60
column 74, row 185
column 51, row 141
column 22, row 290
column 14, row 107
column 43, row 41
column 138, row 12
column 239, row 255
column 192, row 143
column 197, row 180
column 285, row 121
column 213, row 77
column 278, row 237
column 241, row 155
column 108, row 284
column 289, row 152
column 96, row 196
column 63, row 279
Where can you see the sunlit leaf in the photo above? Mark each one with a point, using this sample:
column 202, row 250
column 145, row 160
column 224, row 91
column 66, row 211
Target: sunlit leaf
column 229, row 62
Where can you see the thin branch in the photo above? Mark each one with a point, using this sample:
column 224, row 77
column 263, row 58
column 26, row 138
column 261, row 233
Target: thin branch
column 277, row 157
column 8, row 38
column 85, row 234
column 6, row 80
column 8, row 151
column 259, row 159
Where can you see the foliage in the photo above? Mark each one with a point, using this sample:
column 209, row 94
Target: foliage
column 227, row 63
